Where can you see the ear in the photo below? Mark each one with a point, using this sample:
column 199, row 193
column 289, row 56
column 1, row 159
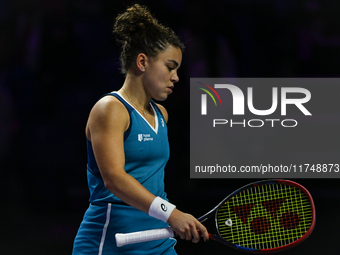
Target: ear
column 141, row 61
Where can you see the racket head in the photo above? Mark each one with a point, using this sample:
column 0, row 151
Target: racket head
column 265, row 216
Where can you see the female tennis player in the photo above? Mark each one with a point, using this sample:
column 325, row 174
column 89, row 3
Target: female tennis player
column 128, row 146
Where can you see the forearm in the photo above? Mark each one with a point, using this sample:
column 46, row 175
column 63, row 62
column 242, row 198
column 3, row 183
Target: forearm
column 133, row 193
column 129, row 190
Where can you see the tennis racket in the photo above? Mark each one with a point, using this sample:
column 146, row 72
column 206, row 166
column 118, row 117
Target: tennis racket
column 261, row 217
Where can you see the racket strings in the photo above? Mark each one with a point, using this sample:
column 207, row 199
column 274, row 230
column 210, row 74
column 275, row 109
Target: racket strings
column 265, row 216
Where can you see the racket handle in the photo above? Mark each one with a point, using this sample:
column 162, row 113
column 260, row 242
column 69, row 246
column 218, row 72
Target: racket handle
column 143, row 236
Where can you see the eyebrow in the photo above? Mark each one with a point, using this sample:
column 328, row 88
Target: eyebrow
column 173, row 61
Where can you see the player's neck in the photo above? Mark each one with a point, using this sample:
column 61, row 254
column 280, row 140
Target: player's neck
column 134, row 90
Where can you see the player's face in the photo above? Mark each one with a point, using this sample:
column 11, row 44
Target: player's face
column 161, row 73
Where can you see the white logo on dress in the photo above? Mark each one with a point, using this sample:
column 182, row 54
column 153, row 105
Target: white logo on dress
column 144, row 137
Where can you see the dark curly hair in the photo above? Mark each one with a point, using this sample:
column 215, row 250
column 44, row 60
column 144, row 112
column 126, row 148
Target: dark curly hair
column 137, row 31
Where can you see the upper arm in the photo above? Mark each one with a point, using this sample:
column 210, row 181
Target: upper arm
column 108, row 121
column 105, row 129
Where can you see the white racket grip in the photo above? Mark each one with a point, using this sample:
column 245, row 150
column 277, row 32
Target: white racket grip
column 143, row 236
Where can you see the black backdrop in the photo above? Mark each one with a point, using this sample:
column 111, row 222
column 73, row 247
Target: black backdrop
column 57, row 57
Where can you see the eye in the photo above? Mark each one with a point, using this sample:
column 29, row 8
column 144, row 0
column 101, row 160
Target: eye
column 170, row 68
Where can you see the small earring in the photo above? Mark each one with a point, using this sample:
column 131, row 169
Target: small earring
column 142, row 69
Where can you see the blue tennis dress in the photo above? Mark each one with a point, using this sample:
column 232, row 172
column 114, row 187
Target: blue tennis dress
column 146, row 154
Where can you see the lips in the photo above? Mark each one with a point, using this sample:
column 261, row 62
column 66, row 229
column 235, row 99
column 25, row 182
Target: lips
column 170, row 89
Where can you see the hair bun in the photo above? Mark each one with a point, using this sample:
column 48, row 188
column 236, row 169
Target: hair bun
column 137, row 31
column 133, row 22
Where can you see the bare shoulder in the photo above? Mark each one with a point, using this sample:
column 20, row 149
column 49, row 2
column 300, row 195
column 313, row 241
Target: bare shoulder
column 164, row 112
column 106, row 113
column 108, row 104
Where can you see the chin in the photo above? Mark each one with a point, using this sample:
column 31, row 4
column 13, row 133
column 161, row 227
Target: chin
column 161, row 97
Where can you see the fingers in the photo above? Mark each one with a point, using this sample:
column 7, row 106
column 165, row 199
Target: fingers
column 195, row 235
column 187, row 231
column 194, row 231
column 190, row 232
column 203, row 231
column 187, row 226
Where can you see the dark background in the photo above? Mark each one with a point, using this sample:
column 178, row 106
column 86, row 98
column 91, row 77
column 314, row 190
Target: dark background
column 57, row 57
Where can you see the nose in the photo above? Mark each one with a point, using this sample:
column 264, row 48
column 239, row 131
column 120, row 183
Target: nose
column 174, row 78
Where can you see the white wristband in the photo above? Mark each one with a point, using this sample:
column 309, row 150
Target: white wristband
column 161, row 209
